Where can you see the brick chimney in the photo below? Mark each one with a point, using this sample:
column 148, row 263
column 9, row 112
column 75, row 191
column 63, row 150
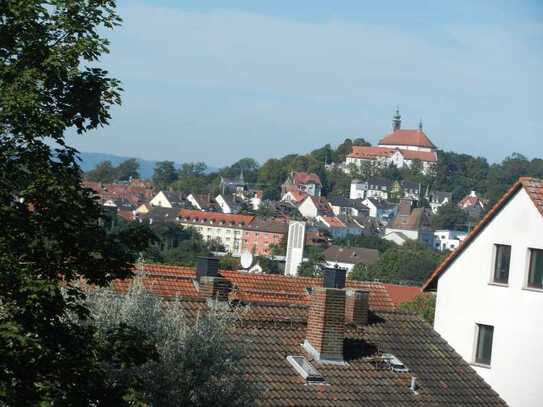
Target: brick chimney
column 357, row 306
column 209, row 283
column 214, row 288
column 326, row 325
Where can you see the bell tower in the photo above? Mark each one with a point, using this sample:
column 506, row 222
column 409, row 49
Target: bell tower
column 396, row 120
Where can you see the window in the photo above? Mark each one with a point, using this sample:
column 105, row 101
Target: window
column 535, row 274
column 501, row 265
column 483, row 352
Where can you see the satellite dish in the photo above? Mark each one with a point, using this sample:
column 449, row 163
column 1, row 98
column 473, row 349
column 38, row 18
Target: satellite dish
column 246, row 260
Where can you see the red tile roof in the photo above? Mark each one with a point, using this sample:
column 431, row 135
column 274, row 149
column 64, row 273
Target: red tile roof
column 301, row 177
column 250, row 287
column 372, row 153
column 534, row 188
column 402, row 293
column 198, row 216
column 297, row 195
column 333, row 221
column 405, row 137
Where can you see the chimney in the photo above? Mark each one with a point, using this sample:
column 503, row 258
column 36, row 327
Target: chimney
column 326, row 325
column 334, row 277
column 209, row 283
column 357, row 306
column 207, row 267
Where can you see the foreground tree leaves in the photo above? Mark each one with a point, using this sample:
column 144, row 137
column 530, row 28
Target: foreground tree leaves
column 51, row 233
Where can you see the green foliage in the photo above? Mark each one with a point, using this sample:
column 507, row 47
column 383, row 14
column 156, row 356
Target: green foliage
column 105, row 171
column 269, row 266
column 449, row 217
column 164, row 174
column 315, row 257
column 409, row 263
column 50, row 231
column 368, row 242
column 423, row 305
column 192, row 178
column 229, row 262
column 187, row 362
column 249, row 166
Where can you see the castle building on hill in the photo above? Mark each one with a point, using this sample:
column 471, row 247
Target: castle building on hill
column 401, row 148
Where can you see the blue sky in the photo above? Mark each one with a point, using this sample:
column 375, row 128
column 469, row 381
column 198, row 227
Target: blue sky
column 218, row 81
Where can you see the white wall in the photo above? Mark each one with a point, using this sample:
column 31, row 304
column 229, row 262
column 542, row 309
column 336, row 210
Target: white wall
column 308, row 209
column 465, row 297
column 160, row 200
column 295, row 247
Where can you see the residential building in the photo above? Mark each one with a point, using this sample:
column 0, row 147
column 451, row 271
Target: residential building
column 306, row 182
column 348, row 257
column 330, row 341
column 438, row 199
column 339, row 227
column 490, row 295
column 261, row 234
column 313, row 206
column 342, row 206
column 224, row 228
column 134, row 193
column 374, row 187
column 292, row 195
column 473, row 205
column 201, row 202
column 227, row 204
column 168, row 199
column 448, row 239
column 411, row 222
column 159, row 214
column 380, row 209
column 400, row 148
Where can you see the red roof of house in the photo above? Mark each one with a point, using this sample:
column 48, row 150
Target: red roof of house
column 195, row 216
column 534, row 188
column 370, row 152
column 171, row 281
column 301, row 177
column 419, row 155
column 402, row 293
column 297, row 195
column 405, row 137
column 333, row 221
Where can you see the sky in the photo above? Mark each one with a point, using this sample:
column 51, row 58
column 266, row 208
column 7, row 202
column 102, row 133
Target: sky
column 217, row 81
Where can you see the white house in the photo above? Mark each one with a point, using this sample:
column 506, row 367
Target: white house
column 448, row 239
column 306, row 182
column 411, row 222
column 348, row 257
column 313, row 206
column 490, row 296
column 167, row 199
column 227, row 204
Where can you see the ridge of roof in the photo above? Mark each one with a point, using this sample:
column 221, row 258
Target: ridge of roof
column 407, row 137
column 534, row 188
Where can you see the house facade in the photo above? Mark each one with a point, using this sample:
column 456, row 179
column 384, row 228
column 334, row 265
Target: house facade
column 220, row 227
column 411, row 222
column 490, row 296
column 306, row 182
column 313, row 206
column 448, row 239
column 261, row 234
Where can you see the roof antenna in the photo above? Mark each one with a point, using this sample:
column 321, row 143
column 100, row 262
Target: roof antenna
column 420, row 124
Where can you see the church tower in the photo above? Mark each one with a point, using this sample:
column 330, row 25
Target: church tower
column 397, row 120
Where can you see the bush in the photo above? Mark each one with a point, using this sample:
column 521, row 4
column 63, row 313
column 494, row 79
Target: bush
column 195, row 365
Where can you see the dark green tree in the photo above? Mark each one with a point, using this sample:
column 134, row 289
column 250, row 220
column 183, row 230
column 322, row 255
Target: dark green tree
column 51, row 235
column 103, row 172
column 424, row 305
column 164, row 174
column 449, row 217
column 128, row 169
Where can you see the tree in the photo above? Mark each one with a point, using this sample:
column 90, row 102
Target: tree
column 194, row 362
column 127, row 170
column 192, row 178
column 368, row 242
column 164, row 174
column 315, row 257
column 423, row 305
column 51, row 235
column 412, row 262
column 103, row 172
column 449, row 217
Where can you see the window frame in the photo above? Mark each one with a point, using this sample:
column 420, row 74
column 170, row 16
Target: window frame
column 493, row 280
column 475, row 360
column 527, row 286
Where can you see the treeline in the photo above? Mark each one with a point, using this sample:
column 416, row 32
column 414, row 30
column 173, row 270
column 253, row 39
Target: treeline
column 456, row 173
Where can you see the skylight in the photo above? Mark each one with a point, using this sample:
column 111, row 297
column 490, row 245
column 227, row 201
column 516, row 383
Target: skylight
column 306, row 369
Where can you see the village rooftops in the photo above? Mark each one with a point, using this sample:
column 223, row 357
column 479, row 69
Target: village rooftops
column 214, row 218
column 351, row 255
column 374, row 153
column 301, row 177
column 391, row 358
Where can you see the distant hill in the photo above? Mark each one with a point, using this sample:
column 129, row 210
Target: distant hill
column 90, row 160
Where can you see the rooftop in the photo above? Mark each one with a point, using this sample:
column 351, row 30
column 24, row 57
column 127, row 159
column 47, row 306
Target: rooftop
column 406, row 137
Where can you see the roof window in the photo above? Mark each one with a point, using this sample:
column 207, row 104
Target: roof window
column 306, row 370
column 394, row 364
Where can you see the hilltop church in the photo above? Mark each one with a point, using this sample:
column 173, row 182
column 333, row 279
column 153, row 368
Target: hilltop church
column 400, row 148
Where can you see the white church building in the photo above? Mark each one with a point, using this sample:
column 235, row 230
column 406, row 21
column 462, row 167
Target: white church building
column 401, row 148
column 490, row 296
